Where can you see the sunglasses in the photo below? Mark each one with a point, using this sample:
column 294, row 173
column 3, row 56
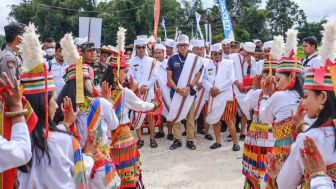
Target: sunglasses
column 217, row 53
column 140, row 47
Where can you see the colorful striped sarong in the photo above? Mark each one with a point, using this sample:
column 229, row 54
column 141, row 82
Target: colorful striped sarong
column 231, row 110
column 259, row 141
column 125, row 154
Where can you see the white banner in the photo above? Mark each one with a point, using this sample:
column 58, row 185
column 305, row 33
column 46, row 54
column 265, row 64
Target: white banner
column 91, row 28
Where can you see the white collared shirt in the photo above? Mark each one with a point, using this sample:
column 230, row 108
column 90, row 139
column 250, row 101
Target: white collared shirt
column 58, row 71
column 314, row 61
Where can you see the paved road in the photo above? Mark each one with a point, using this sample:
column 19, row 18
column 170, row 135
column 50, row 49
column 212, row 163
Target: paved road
column 181, row 169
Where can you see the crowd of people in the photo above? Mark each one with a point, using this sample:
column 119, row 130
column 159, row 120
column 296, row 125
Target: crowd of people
column 68, row 109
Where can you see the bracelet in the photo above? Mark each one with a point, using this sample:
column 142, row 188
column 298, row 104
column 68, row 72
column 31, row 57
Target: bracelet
column 318, row 174
column 16, row 114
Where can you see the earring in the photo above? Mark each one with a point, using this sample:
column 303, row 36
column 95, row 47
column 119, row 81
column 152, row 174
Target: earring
column 320, row 109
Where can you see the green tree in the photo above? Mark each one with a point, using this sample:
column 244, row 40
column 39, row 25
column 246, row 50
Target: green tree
column 253, row 21
column 51, row 22
column 311, row 29
column 283, row 14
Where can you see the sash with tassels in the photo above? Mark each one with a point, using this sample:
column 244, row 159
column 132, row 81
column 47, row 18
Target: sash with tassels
column 80, row 177
column 139, row 118
column 179, row 112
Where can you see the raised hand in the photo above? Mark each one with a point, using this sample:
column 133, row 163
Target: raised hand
column 298, row 116
column 11, row 95
column 311, row 157
column 106, row 90
column 91, row 145
column 273, row 165
column 68, row 112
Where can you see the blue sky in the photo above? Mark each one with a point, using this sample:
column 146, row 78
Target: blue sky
column 326, row 8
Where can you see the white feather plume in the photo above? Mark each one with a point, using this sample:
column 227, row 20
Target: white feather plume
column 327, row 49
column 121, row 39
column 277, row 48
column 69, row 50
column 291, row 41
column 32, row 53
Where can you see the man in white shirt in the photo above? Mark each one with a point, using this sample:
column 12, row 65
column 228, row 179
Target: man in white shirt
column 143, row 73
column 312, row 60
column 58, row 67
column 202, row 127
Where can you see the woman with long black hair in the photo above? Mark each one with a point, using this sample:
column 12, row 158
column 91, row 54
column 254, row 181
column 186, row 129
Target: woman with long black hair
column 94, row 113
column 319, row 102
column 57, row 160
column 276, row 109
column 124, row 151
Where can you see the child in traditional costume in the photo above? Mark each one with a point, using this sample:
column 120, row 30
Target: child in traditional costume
column 57, row 159
column 124, row 151
column 259, row 140
column 276, row 109
column 97, row 115
column 319, row 102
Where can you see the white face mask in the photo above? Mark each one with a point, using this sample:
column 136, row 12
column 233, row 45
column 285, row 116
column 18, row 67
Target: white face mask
column 50, row 52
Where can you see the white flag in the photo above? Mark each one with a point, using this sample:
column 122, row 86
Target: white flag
column 198, row 19
column 163, row 24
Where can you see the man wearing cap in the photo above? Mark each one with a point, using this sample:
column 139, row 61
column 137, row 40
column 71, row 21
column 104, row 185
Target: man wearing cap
column 106, row 52
column 201, row 97
column 226, row 48
column 312, row 60
column 234, row 47
column 170, row 44
column 89, row 56
column 244, row 66
column 143, row 74
column 162, row 81
column 10, row 61
column 217, row 80
column 184, row 70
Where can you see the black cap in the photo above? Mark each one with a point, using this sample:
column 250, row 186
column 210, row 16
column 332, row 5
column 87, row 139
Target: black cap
column 14, row 28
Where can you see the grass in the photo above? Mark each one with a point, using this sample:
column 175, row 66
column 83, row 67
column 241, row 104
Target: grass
column 300, row 53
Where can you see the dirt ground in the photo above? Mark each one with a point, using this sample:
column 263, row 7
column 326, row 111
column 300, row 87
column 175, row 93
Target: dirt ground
column 202, row 168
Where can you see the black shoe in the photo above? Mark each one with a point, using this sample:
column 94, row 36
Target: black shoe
column 215, row 145
column 175, row 145
column 159, row 135
column 208, row 137
column 191, row 145
column 237, row 128
column 235, row 147
column 200, row 131
column 170, row 137
column 153, row 143
column 242, row 137
column 223, row 127
column 140, row 143
column 184, row 133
